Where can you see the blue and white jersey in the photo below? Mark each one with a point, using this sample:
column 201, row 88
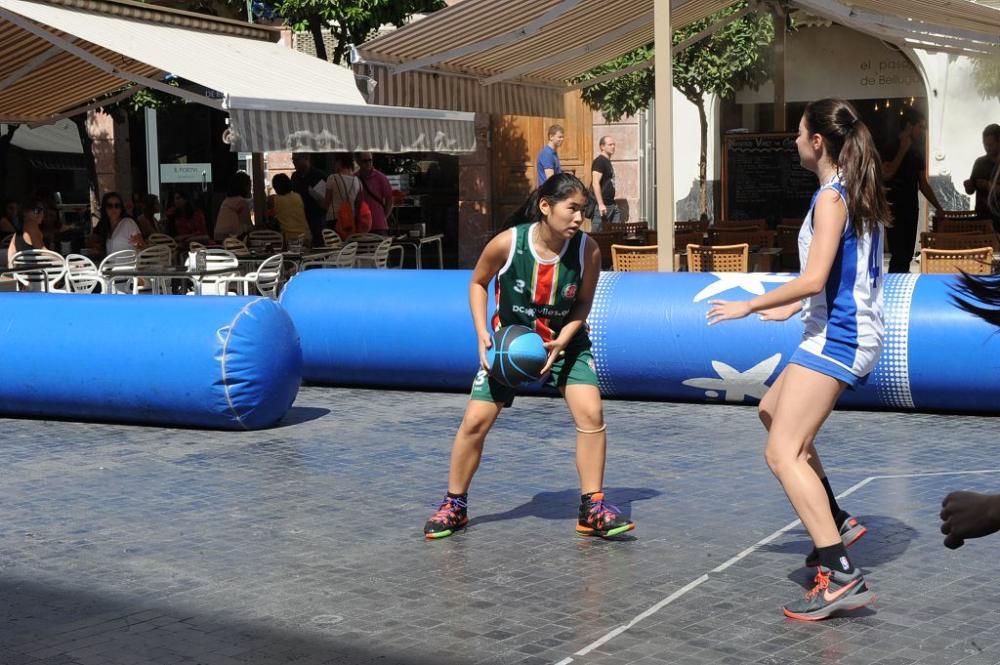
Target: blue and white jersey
column 843, row 323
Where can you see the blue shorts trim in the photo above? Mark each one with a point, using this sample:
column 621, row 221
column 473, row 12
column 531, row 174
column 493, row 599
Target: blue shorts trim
column 827, row 367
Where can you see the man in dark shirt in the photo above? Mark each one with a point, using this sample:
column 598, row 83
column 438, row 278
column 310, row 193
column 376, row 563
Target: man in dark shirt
column 905, row 171
column 304, row 180
column 602, row 185
column 984, row 177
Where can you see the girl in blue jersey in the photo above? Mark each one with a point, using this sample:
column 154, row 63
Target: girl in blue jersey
column 839, row 293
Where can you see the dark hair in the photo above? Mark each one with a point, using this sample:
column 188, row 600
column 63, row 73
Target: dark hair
column 187, row 211
column 282, row 183
column 239, row 185
column 604, row 139
column 103, row 227
column 149, row 202
column 852, row 149
column 555, row 129
column 910, row 116
column 992, row 130
column 979, row 295
column 344, row 160
column 557, row 188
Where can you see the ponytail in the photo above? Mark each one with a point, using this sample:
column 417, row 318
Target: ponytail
column 980, row 296
column 852, row 149
column 861, row 167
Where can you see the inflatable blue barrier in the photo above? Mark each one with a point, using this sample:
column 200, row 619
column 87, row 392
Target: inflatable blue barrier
column 412, row 329
column 224, row 363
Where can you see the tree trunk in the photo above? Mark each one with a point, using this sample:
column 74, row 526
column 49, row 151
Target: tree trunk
column 343, row 38
column 702, row 157
column 88, row 156
column 316, row 28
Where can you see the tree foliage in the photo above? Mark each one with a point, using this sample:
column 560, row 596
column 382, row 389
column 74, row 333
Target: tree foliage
column 350, row 21
column 734, row 57
column 986, row 71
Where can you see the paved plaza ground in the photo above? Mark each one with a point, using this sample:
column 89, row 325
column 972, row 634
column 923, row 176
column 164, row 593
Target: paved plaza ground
column 302, row 544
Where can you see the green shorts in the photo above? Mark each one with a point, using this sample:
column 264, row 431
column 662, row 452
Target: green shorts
column 576, row 367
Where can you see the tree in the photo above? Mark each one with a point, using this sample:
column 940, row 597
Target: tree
column 734, row 57
column 986, row 72
column 351, row 21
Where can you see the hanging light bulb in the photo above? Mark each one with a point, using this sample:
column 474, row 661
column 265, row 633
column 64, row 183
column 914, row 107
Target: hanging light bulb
column 876, row 106
column 911, row 101
column 887, row 103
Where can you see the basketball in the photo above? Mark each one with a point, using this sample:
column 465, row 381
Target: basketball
column 517, row 355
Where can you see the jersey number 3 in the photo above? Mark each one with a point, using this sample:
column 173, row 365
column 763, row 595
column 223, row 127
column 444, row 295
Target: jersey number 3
column 519, row 286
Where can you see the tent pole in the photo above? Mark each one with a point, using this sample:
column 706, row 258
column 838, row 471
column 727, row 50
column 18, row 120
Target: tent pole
column 663, row 94
column 259, row 188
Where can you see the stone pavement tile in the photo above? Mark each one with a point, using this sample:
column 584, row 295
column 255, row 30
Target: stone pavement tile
column 192, row 545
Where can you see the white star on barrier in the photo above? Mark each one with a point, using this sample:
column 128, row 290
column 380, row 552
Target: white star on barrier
column 748, row 281
column 736, row 385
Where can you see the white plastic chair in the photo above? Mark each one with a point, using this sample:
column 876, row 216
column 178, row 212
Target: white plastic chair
column 321, row 259
column 367, row 244
column 381, row 258
column 236, row 246
column 218, row 285
column 264, row 237
column 152, row 258
column 267, row 278
column 125, row 259
column 331, row 239
column 347, row 256
column 51, row 270
column 161, row 239
column 81, row 274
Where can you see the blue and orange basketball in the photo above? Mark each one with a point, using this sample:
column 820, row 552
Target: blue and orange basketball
column 517, row 356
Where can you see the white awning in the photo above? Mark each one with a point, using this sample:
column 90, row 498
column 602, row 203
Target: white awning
column 83, row 51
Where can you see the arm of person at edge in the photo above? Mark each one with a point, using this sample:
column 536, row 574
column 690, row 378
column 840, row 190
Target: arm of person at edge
column 967, row 515
column 596, row 177
column 578, row 313
column 489, row 264
column 928, row 192
column 905, row 142
column 829, row 220
column 387, row 197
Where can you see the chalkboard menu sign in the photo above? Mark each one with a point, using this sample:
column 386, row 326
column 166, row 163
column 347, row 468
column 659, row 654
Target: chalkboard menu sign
column 762, row 178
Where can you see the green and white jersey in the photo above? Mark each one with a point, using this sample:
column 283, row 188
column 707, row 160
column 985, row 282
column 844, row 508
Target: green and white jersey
column 539, row 293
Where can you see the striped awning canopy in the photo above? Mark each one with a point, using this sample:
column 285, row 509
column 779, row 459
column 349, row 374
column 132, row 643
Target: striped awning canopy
column 521, row 60
column 62, row 57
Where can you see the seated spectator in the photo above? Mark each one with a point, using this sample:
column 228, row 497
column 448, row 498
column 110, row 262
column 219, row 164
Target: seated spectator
column 147, row 221
column 27, row 231
column 186, row 219
column 289, row 210
column 234, row 213
column 118, row 231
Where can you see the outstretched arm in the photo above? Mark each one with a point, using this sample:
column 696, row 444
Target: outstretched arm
column 829, row 220
column 489, row 264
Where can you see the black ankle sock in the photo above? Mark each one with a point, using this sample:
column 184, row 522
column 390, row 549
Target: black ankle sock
column 463, row 496
column 835, row 557
column 839, row 516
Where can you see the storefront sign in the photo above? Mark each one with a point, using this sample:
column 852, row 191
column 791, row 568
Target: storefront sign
column 194, row 173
